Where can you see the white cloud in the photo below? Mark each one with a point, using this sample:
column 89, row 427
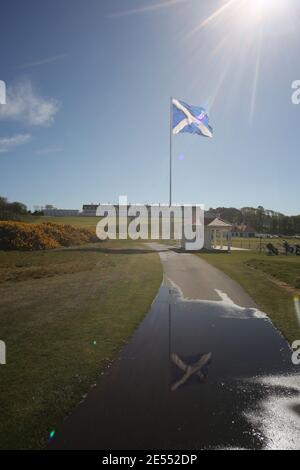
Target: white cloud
column 7, row 143
column 47, row 60
column 156, row 6
column 25, row 105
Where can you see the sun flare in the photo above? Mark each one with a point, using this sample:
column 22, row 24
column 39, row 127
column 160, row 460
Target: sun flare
column 242, row 28
column 261, row 10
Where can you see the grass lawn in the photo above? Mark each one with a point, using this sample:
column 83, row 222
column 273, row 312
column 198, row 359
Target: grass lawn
column 64, row 315
column 253, row 270
column 285, row 269
column 85, row 222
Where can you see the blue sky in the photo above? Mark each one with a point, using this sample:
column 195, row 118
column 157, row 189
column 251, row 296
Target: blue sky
column 89, row 84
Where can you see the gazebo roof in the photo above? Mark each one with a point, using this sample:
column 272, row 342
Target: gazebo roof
column 217, row 223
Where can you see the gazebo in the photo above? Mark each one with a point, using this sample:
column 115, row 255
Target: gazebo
column 214, row 229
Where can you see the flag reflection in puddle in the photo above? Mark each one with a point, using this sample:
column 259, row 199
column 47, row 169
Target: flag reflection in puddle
column 196, row 366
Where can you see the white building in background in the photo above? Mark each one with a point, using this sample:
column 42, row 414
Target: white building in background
column 60, row 212
column 89, row 210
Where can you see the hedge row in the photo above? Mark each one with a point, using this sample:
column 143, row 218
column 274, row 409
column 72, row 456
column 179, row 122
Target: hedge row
column 29, row 237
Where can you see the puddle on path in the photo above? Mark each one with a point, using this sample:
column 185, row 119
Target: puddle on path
column 196, row 375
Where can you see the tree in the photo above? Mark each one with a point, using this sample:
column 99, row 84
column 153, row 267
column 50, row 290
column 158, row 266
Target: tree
column 11, row 210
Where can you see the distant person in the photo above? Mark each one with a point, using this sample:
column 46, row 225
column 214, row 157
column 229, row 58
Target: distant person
column 286, row 247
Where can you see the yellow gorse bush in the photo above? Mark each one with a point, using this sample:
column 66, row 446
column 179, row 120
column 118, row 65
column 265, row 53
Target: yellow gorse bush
column 29, row 237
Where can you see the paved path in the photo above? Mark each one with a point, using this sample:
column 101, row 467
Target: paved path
column 197, row 279
column 233, row 248
column 204, row 370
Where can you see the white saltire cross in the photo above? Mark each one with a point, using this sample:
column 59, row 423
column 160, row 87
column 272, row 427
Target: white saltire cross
column 189, row 370
column 189, row 120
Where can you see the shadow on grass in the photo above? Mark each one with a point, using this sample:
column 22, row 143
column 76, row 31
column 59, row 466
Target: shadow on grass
column 141, row 251
column 203, row 250
column 117, row 251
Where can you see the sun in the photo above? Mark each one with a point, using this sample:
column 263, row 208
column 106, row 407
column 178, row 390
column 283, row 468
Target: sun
column 261, row 10
column 268, row 5
column 246, row 12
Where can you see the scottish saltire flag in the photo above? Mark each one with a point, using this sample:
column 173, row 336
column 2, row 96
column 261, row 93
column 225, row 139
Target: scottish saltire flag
column 192, row 119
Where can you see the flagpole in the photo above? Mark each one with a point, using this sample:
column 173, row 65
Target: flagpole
column 170, row 201
column 170, row 337
column 170, row 196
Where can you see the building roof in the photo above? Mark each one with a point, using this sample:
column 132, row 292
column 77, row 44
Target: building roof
column 244, row 228
column 217, row 223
